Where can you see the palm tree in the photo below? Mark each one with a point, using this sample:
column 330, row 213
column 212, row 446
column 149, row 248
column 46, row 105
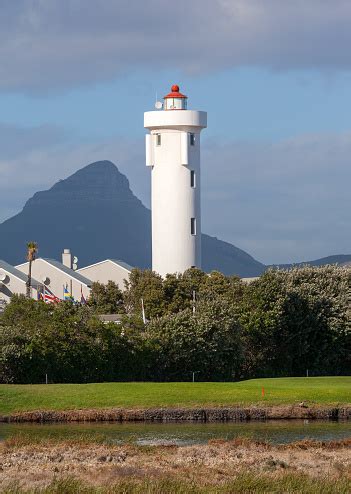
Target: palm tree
column 32, row 249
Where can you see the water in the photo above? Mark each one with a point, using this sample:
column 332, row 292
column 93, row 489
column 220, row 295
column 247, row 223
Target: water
column 182, row 434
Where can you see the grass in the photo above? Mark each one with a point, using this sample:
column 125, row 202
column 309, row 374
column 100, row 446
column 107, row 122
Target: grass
column 244, row 483
column 314, row 390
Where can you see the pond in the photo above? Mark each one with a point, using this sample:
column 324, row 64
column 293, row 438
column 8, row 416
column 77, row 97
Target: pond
column 182, row 434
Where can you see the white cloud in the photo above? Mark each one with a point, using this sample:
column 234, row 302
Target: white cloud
column 50, row 44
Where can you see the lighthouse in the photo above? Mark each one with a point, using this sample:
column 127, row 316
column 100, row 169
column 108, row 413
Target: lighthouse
column 173, row 154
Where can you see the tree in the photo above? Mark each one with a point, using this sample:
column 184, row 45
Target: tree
column 32, row 249
column 207, row 342
column 297, row 320
column 65, row 341
column 146, row 285
column 106, row 299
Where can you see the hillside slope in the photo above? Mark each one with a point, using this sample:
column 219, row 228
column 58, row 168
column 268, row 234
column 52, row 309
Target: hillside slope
column 95, row 214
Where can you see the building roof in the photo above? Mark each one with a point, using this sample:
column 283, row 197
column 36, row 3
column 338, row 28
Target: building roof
column 116, row 318
column 122, row 264
column 175, row 93
column 250, row 280
column 70, row 272
column 61, row 267
column 5, row 266
column 119, row 263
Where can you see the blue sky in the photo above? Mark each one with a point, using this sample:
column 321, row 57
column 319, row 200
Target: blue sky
column 274, row 77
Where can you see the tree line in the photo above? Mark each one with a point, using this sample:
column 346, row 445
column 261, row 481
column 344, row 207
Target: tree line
column 283, row 324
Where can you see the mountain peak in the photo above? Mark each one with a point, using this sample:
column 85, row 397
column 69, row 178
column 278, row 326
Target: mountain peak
column 93, row 212
column 95, row 175
column 100, row 181
column 103, row 168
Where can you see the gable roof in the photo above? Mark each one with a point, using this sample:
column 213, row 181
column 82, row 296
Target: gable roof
column 122, row 264
column 119, row 263
column 64, row 269
column 70, row 272
column 5, row 266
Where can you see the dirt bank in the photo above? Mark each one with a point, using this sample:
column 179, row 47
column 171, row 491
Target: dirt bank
column 218, row 414
column 37, row 465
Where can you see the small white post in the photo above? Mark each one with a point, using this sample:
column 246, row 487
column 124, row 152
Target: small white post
column 143, row 311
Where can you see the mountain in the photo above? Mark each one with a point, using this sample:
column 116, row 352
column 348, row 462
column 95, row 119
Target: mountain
column 95, row 214
column 222, row 256
column 341, row 259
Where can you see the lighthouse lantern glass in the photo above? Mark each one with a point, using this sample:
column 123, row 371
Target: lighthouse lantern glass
column 175, row 103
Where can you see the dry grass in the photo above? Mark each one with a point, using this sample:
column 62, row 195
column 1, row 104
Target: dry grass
column 242, row 483
column 241, row 465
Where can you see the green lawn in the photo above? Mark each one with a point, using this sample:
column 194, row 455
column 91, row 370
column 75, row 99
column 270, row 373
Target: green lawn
column 315, row 390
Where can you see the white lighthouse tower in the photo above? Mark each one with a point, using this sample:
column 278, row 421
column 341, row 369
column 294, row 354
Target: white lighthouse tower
column 173, row 153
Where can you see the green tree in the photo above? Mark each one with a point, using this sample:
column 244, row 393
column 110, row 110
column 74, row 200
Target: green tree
column 106, row 299
column 32, row 249
column 297, row 320
column 147, row 286
column 207, row 342
column 65, row 341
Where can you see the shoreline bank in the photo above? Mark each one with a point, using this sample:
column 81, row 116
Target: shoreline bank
column 203, row 415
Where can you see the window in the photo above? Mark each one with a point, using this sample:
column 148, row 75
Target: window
column 158, row 139
column 193, row 226
column 192, row 179
column 192, row 139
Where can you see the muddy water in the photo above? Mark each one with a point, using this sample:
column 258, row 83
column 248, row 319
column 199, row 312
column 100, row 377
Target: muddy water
column 275, row 432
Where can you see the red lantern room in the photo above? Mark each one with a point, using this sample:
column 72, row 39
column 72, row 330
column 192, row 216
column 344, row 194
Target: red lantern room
column 175, row 100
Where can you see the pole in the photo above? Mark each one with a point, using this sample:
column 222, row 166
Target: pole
column 193, row 377
column 46, row 378
column 71, row 288
column 307, row 373
column 194, row 301
column 143, row 311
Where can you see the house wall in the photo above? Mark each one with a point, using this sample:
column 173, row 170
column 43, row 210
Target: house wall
column 14, row 287
column 106, row 271
column 57, row 279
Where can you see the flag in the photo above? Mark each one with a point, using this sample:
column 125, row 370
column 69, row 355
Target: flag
column 50, row 298
column 82, row 298
column 66, row 294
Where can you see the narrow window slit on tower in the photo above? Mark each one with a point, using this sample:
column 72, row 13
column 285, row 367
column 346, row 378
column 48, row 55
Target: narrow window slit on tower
column 192, row 179
column 193, row 226
column 158, row 139
column 192, row 139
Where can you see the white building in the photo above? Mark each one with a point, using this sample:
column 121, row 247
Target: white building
column 109, row 269
column 13, row 281
column 173, row 153
column 56, row 276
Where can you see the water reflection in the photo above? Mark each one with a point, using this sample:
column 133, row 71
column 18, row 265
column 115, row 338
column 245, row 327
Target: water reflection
column 184, row 433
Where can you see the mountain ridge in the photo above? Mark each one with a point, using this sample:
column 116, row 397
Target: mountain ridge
column 95, row 213
column 340, row 259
